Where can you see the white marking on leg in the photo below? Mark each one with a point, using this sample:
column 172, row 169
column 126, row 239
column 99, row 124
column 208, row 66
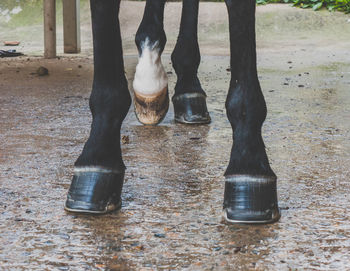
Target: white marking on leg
column 150, row 76
column 250, row 179
column 79, row 170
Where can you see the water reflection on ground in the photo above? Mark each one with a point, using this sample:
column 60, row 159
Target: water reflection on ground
column 172, row 197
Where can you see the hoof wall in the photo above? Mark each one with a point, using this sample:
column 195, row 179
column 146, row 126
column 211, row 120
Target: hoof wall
column 95, row 192
column 151, row 109
column 231, row 216
column 191, row 108
column 250, row 200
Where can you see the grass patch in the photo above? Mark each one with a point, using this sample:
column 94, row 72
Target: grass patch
column 331, row 5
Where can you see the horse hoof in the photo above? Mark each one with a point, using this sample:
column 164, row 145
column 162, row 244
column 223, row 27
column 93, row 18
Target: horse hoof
column 250, row 199
column 95, row 191
column 191, row 108
column 151, row 109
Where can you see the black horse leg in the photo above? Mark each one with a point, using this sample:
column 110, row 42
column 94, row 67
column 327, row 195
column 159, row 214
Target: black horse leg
column 250, row 187
column 99, row 171
column 189, row 99
column 150, row 84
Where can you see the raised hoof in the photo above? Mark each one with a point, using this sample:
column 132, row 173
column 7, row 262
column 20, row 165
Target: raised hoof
column 151, row 109
column 250, row 199
column 95, row 191
column 191, row 108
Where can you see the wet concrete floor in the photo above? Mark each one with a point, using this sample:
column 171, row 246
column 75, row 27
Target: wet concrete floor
column 173, row 192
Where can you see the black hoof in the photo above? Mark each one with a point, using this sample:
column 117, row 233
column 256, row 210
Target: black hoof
column 250, row 199
column 95, row 191
column 191, row 108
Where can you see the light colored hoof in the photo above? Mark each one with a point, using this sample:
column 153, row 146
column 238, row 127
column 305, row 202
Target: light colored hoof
column 151, row 109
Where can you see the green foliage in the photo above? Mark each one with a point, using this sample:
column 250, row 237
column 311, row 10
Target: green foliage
column 10, row 4
column 331, row 5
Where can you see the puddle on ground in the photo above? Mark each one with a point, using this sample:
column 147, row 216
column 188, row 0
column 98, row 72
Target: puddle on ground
column 173, row 192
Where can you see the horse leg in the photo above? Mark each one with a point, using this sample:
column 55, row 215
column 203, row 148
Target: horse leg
column 189, row 99
column 250, row 184
column 150, row 84
column 99, row 171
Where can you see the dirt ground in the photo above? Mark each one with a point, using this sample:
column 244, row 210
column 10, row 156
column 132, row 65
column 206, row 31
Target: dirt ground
column 173, row 192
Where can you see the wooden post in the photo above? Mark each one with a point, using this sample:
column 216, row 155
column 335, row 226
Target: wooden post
column 50, row 28
column 71, row 26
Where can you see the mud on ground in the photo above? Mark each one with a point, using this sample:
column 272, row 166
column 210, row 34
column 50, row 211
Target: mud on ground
column 173, row 192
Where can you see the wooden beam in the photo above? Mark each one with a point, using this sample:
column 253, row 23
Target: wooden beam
column 50, row 28
column 71, row 26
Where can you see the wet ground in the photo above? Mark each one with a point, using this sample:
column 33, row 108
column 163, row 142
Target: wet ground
column 173, row 192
